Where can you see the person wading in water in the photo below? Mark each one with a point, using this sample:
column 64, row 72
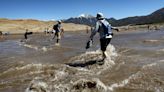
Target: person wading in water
column 105, row 31
column 58, row 32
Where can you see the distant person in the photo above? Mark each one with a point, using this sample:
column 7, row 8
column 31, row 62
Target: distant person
column 105, row 32
column 27, row 33
column 1, row 34
column 155, row 27
column 148, row 27
column 92, row 28
column 58, row 31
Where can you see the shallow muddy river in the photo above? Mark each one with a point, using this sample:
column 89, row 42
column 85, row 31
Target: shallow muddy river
column 135, row 63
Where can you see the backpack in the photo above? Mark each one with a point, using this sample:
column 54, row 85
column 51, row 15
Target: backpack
column 106, row 29
column 55, row 27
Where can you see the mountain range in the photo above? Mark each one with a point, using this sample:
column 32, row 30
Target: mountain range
column 155, row 17
column 85, row 19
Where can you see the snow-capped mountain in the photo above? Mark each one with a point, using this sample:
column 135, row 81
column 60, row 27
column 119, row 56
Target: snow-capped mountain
column 85, row 16
column 86, row 19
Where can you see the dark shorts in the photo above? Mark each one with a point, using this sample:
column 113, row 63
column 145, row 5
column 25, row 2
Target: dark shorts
column 104, row 43
column 58, row 35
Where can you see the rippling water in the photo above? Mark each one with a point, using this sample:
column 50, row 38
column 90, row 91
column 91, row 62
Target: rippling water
column 135, row 63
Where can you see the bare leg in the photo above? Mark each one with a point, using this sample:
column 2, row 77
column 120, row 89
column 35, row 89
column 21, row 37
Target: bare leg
column 104, row 54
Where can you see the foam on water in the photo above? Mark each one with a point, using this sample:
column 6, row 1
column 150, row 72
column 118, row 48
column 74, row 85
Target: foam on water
column 26, row 67
column 80, row 78
column 41, row 48
column 81, row 85
column 124, row 82
column 31, row 46
column 137, row 76
column 38, row 86
column 89, row 60
column 94, row 85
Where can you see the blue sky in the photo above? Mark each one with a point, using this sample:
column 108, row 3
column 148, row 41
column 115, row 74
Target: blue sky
column 63, row 9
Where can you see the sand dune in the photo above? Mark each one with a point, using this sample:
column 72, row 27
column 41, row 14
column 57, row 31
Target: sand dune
column 19, row 26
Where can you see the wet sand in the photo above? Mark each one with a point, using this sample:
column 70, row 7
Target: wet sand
column 138, row 66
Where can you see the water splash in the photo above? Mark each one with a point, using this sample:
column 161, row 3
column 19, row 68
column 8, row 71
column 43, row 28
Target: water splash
column 31, row 46
column 81, row 75
column 91, row 60
column 37, row 86
column 37, row 48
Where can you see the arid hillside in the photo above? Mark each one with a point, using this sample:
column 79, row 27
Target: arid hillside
column 19, row 26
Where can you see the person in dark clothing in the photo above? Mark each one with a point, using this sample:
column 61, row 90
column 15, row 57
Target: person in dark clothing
column 27, row 33
column 1, row 34
column 58, row 32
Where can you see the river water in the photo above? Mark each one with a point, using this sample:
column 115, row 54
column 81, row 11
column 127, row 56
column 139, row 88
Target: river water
column 135, row 63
